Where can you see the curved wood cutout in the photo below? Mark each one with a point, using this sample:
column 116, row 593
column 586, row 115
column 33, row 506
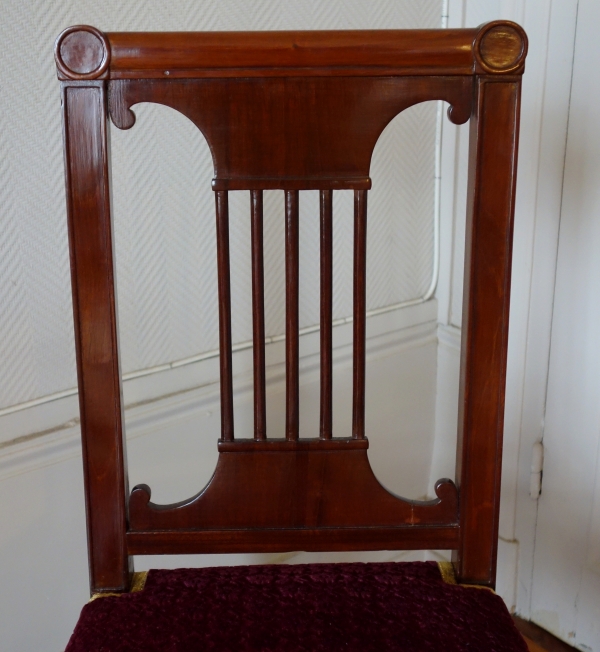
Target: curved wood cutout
column 268, row 133
column 303, row 487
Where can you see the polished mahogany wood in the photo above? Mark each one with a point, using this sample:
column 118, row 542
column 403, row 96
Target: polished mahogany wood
column 224, row 284
column 293, row 111
column 258, row 315
column 342, row 53
column 271, row 486
column 292, row 308
column 329, row 50
column 408, row 537
column 490, row 212
column 94, row 310
column 326, row 317
column 280, row 444
column 274, row 137
column 359, row 314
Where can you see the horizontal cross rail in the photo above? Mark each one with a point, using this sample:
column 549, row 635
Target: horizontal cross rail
column 84, row 52
column 411, row 537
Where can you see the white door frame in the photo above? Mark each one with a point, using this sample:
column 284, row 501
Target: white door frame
column 550, row 25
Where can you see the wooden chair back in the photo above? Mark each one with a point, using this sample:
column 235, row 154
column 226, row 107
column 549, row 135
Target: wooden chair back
column 293, row 111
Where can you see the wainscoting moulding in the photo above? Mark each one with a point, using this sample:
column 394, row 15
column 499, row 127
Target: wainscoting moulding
column 196, row 387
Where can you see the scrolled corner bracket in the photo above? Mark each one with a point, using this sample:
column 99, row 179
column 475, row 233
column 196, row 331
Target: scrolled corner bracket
column 81, row 53
column 443, row 508
column 118, row 108
column 139, row 499
column 458, row 114
column 500, row 47
column 445, row 489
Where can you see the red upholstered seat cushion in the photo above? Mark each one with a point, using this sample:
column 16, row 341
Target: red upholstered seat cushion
column 403, row 607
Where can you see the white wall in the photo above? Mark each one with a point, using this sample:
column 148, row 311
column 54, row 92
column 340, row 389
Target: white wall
column 164, row 240
column 172, row 447
column 565, row 595
column 164, row 206
column 548, row 568
column 550, row 25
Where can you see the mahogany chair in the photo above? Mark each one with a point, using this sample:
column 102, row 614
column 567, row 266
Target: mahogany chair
column 294, row 111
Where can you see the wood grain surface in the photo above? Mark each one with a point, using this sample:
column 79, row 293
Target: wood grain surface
column 293, row 111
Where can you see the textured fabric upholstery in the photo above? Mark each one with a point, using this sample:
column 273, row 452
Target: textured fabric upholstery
column 400, row 607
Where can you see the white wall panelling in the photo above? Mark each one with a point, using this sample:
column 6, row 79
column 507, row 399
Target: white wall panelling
column 446, row 408
column 566, row 578
column 550, row 572
column 163, row 252
column 546, row 110
column 172, row 447
column 167, row 301
column 545, row 104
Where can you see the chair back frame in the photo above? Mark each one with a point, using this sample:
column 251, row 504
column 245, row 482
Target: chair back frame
column 293, row 111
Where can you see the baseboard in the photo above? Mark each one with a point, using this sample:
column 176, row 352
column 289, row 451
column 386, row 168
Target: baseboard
column 506, row 575
column 449, row 336
column 197, row 389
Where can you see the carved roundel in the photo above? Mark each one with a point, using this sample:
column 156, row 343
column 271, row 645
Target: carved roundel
column 82, row 52
column 501, row 47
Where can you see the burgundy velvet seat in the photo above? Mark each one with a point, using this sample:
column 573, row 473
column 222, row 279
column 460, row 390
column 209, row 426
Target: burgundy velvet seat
column 357, row 607
column 294, row 111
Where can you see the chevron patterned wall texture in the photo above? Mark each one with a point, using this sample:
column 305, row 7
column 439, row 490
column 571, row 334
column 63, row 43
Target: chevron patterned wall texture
column 164, row 208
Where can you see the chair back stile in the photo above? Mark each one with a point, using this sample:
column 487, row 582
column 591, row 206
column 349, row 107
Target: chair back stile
column 293, row 111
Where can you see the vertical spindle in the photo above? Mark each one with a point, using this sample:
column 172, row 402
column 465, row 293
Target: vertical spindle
column 360, row 308
column 291, row 314
column 222, row 206
column 326, row 197
column 258, row 315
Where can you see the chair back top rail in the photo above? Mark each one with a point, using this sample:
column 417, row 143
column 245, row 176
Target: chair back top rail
column 84, row 52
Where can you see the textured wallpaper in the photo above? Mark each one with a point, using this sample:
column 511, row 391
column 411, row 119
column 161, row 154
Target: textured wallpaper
column 164, row 207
